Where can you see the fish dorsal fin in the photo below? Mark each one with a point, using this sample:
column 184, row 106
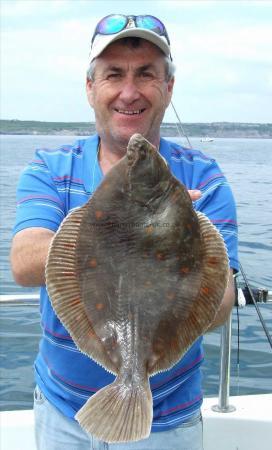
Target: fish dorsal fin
column 215, row 273
column 62, row 284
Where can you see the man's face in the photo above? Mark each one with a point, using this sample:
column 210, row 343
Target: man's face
column 129, row 93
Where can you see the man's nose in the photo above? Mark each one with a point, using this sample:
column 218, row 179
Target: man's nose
column 129, row 91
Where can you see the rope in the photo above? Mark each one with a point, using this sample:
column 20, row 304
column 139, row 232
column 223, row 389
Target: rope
column 257, row 307
column 180, row 127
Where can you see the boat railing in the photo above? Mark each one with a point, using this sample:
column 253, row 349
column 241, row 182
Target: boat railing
column 224, row 374
column 31, row 299
column 27, row 299
column 223, row 405
column 260, row 296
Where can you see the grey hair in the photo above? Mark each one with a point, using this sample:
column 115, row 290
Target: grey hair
column 91, row 70
column 170, row 69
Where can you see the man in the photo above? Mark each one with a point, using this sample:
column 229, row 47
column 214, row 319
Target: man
column 129, row 85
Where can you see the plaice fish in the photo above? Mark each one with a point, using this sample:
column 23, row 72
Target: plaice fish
column 136, row 276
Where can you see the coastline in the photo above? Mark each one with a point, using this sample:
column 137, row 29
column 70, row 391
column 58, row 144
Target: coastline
column 212, row 130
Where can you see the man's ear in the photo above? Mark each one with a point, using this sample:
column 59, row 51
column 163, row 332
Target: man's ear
column 170, row 86
column 89, row 90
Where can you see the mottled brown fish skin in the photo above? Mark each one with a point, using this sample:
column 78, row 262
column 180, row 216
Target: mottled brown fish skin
column 128, row 255
column 150, row 274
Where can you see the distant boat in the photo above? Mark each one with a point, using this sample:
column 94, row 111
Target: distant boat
column 206, row 139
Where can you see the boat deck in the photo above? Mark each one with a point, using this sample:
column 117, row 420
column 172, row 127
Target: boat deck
column 249, row 427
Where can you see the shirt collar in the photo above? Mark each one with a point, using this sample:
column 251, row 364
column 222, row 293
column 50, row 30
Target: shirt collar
column 92, row 173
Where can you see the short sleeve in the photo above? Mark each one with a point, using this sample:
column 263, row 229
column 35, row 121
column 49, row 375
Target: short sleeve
column 38, row 201
column 218, row 203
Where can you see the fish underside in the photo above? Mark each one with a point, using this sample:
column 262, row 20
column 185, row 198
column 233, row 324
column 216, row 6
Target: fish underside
column 136, row 276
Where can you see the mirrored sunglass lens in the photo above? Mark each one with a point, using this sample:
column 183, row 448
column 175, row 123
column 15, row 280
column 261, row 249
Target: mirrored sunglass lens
column 150, row 23
column 112, row 24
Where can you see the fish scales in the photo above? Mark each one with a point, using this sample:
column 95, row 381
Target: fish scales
column 146, row 277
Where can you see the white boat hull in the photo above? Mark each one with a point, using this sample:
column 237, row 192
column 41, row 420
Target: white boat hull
column 249, row 427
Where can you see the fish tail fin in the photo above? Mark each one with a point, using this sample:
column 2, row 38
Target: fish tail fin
column 118, row 413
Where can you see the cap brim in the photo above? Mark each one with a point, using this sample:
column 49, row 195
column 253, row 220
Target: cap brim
column 102, row 41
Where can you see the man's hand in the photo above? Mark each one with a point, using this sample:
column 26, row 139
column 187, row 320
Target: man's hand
column 194, row 194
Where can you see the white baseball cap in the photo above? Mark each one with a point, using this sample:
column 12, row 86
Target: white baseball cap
column 130, row 28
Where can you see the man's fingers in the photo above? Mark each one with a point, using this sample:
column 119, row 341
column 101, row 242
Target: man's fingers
column 195, row 194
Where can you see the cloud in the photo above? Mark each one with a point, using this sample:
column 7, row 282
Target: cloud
column 221, row 58
column 60, row 50
column 28, row 8
column 45, row 48
column 221, row 40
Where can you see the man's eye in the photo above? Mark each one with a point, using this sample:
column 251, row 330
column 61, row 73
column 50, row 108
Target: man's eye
column 113, row 76
column 147, row 75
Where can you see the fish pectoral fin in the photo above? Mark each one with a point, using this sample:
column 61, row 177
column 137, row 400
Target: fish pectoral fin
column 118, row 413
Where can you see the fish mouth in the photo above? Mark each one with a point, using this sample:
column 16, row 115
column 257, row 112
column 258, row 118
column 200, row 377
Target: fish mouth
column 129, row 112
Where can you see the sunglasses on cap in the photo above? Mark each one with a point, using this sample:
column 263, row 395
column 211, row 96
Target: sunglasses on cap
column 114, row 23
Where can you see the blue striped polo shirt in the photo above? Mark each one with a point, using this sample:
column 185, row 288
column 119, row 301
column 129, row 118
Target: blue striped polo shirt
column 55, row 182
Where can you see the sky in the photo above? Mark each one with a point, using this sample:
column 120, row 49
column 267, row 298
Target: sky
column 222, row 51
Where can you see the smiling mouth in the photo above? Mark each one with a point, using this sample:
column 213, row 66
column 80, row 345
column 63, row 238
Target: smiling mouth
column 130, row 113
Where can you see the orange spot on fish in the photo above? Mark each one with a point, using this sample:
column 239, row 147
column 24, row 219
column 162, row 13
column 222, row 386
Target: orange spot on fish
column 160, row 256
column 184, row 269
column 99, row 306
column 92, row 263
column 189, row 226
column 212, row 260
column 205, row 290
column 99, row 214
